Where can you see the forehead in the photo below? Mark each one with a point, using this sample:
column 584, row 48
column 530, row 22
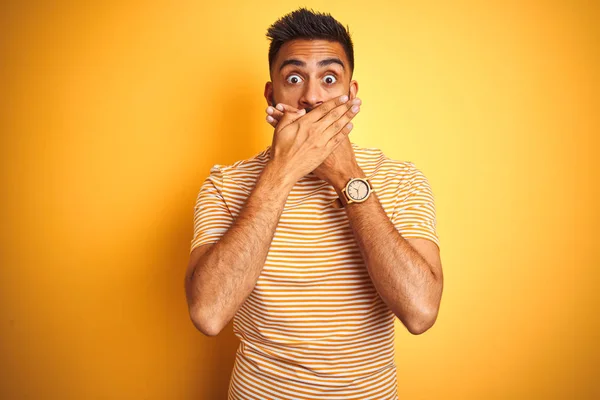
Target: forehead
column 310, row 51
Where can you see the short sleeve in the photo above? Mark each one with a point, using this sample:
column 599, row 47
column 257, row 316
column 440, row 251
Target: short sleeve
column 212, row 217
column 414, row 213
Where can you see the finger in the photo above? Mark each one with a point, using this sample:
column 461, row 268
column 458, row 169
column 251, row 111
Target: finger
column 289, row 117
column 280, row 109
column 339, row 137
column 340, row 123
column 277, row 112
column 322, row 110
column 343, row 111
column 270, row 118
column 272, row 121
column 283, row 108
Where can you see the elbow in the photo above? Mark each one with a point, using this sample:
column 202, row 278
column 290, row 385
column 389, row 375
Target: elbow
column 422, row 322
column 200, row 314
column 417, row 329
column 208, row 326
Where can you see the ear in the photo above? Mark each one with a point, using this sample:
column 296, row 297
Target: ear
column 353, row 90
column 269, row 93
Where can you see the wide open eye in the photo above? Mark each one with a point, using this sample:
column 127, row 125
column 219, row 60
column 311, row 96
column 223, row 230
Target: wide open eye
column 293, row 79
column 330, row 79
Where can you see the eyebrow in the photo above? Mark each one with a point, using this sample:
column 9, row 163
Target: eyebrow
column 322, row 63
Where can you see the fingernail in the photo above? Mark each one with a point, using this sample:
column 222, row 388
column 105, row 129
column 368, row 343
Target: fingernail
column 270, row 119
column 302, row 111
column 344, row 98
column 355, row 109
column 270, row 110
column 356, row 101
column 279, row 107
column 350, row 125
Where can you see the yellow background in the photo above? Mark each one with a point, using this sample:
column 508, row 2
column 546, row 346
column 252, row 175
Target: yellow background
column 113, row 114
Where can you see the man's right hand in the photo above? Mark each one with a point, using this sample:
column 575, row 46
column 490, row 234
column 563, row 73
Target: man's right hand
column 301, row 142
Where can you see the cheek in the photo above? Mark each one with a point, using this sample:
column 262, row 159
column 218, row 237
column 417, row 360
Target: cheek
column 289, row 97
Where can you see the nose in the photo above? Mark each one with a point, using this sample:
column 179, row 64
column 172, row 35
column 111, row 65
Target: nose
column 312, row 96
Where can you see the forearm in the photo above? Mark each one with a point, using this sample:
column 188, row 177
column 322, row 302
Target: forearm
column 401, row 276
column 227, row 273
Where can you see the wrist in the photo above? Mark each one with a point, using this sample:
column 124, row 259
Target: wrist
column 279, row 176
column 342, row 178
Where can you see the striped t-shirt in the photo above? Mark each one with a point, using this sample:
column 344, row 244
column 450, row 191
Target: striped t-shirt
column 314, row 326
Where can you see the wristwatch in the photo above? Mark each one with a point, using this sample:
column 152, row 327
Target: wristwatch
column 357, row 190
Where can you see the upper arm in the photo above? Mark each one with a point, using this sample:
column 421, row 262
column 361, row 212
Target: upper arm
column 212, row 217
column 414, row 216
column 211, row 220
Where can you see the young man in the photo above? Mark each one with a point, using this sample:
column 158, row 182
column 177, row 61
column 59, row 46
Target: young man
column 315, row 244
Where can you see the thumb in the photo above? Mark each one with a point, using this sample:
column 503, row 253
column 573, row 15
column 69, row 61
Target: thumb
column 290, row 117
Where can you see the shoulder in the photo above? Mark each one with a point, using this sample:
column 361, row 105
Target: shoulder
column 241, row 173
column 257, row 161
column 378, row 166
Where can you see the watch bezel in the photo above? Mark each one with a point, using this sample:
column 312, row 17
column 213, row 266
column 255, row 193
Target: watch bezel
column 349, row 199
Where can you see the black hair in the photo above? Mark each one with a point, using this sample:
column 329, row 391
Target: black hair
column 308, row 24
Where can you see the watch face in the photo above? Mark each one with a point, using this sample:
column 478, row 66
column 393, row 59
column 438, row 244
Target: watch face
column 357, row 190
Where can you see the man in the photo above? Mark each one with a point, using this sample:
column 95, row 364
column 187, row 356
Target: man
column 315, row 244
